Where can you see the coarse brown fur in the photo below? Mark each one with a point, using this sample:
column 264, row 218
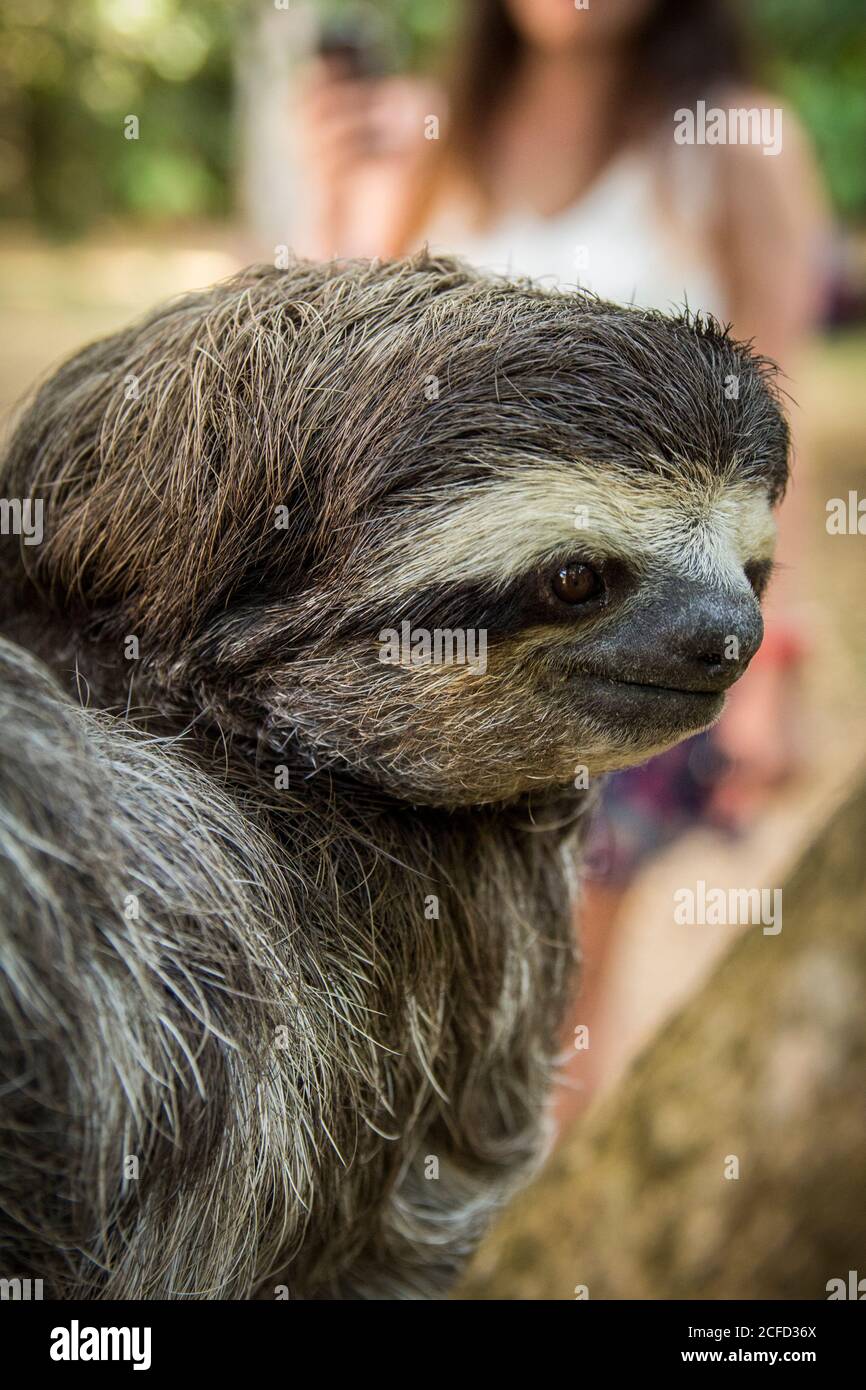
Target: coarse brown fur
column 287, row 928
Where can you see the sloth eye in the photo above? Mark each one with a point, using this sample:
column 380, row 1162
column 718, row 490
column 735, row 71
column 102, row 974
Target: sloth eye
column 576, row 583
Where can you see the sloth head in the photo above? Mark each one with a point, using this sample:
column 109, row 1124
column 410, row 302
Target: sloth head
column 454, row 536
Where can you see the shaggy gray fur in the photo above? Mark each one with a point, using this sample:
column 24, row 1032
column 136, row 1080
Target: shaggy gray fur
column 237, row 984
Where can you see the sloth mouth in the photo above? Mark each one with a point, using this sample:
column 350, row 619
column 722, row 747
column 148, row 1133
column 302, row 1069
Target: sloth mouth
column 653, row 687
column 671, row 703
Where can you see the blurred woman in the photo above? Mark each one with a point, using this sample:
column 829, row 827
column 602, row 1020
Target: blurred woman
column 558, row 159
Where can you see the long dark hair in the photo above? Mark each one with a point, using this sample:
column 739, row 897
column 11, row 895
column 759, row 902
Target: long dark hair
column 679, row 51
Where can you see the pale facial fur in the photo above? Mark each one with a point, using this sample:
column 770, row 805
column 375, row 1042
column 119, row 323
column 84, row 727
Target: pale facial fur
column 708, row 530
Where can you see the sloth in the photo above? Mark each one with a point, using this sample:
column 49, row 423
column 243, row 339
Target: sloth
column 287, row 918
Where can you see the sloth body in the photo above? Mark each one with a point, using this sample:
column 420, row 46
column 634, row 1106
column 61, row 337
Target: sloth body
column 288, row 937
column 366, row 1038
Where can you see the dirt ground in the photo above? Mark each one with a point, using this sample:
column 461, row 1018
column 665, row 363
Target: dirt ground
column 54, row 298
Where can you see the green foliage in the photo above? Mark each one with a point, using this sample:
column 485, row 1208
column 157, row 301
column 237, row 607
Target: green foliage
column 73, row 70
column 814, row 54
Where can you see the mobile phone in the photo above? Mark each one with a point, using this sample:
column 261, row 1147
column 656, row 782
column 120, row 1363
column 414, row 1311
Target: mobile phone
column 350, row 42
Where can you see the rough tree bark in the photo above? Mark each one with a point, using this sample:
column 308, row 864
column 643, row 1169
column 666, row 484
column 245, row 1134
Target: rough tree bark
column 765, row 1065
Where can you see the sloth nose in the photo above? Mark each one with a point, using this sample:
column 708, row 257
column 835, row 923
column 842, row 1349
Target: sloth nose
column 715, row 635
column 685, row 634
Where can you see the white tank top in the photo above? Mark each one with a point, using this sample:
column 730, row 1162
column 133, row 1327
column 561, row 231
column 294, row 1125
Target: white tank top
column 614, row 240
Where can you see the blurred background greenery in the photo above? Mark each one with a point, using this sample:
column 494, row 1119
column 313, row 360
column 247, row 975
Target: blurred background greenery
column 73, row 72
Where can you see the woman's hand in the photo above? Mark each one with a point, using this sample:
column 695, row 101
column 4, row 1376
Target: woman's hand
column 359, row 138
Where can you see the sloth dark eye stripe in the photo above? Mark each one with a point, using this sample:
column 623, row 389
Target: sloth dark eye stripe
column 499, row 610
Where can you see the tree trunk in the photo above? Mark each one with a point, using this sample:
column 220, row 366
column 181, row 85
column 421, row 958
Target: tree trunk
column 763, row 1072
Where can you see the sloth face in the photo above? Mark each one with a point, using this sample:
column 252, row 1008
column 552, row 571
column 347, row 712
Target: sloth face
column 549, row 623
column 456, row 537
